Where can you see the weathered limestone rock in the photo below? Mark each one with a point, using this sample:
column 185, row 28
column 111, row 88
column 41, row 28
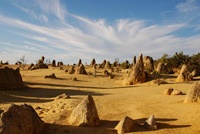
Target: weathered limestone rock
column 93, row 62
column 79, row 62
column 184, row 75
column 29, row 68
column 160, row 68
column 10, row 79
column 71, row 70
column 107, row 65
column 20, row 120
column 53, row 63
column 193, row 94
column 176, row 92
column 81, row 69
column 148, row 63
column 125, row 125
column 151, row 123
column 85, row 114
column 136, row 75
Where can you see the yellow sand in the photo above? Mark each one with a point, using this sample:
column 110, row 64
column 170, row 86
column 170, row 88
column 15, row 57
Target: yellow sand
column 113, row 102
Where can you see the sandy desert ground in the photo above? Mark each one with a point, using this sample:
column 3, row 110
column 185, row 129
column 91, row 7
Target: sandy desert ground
column 113, row 102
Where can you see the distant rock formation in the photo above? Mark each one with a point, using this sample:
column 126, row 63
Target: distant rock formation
column 20, row 120
column 31, row 66
column 93, row 62
column 71, row 70
column 10, row 79
column 85, row 114
column 193, row 94
column 50, row 76
column 79, row 62
column 160, row 68
column 148, row 63
column 137, row 74
column 53, row 63
column 171, row 91
column 184, row 75
column 81, row 69
column 40, row 64
column 125, row 125
column 107, row 65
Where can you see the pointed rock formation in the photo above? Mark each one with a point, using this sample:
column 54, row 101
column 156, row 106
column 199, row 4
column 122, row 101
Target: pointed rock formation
column 193, row 94
column 137, row 74
column 151, row 123
column 148, row 63
column 10, row 79
column 93, row 62
column 79, row 62
column 85, row 114
column 53, row 63
column 184, row 75
column 20, row 120
column 160, row 68
column 107, row 65
column 71, row 70
column 125, row 125
column 81, row 69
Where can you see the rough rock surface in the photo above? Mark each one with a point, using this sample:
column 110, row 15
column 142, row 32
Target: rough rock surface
column 81, row 69
column 160, row 68
column 10, row 79
column 193, row 94
column 125, row 125
column 148, row 63
column 20, row 120
column 93, row 62
column 85, row 114
column 168, row 91
column 71, row 70
column 151, row 123
column 184, row 75
column 137, row 74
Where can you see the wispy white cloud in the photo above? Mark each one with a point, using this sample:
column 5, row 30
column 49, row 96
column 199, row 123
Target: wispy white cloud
column 53, row 7
column 90, row 38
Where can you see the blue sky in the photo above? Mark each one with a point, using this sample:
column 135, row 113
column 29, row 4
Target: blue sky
column 68, row 30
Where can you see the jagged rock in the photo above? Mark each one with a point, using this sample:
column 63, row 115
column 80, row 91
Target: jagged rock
column 168, row 91
column 60, row 64
column 176, row 92
column 150, row 123
column 53, row 63
column 125, row 125
column 81, row 69
column 193, row 94
column 184, row 75
column 10, row 79
column 85, row 114
column 50, row 76
column 20, row 120
column 136, row 75
column 134, row 61
column 79, row 62
column 71, row 70
column 148, row 63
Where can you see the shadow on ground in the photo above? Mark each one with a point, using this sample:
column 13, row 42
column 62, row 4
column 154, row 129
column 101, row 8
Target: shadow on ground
column 107, row 127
